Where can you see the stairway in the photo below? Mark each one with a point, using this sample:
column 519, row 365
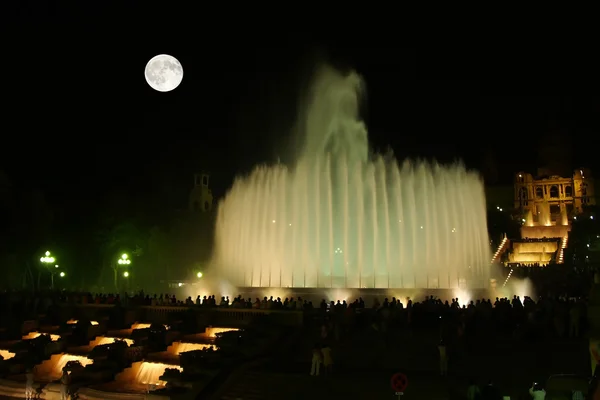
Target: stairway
column 561, row 251
column 501, row 248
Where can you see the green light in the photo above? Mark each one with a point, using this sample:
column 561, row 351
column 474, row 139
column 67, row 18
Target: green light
column 124, row 260
column 48, row 259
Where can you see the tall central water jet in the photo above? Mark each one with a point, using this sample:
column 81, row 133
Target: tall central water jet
column 339, row 218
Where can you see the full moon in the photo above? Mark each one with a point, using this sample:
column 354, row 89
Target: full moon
column 163, row 73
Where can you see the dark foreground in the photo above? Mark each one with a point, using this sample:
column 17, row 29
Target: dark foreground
column 365, row 361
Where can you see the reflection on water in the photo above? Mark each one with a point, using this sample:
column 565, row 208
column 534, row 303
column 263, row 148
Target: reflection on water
column 75, row 321
column 145, row 373
column 6, row 355
column 51, row 369
column 179, row 347
column 102, row 340
column 212, row 331
column 33, row 335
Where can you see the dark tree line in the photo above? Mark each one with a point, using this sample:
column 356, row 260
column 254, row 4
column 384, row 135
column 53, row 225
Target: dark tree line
column 163, row 242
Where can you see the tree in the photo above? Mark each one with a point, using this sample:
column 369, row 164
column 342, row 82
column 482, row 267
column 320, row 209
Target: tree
column 584, row 238
column 156, row 258
column 25, row 226
column 116, row 238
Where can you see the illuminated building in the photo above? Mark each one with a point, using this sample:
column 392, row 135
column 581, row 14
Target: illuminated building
column 550, row 197
column 547, row 204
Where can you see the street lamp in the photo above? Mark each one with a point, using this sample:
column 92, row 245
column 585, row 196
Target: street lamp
column 47, row 260
column 124, row 260
column 126, row 274
column 62, row 274
column 199, row 275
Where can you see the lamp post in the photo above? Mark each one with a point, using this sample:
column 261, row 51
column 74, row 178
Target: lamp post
column 122, row 261
column 47, row 260
column 52, row 275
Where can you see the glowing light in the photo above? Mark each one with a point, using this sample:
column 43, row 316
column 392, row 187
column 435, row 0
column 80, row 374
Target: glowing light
column 463, row 296
column 6, row 355
column 126, row 274
column 75, row 321
column 508, row 277
column 146, row 373
column 339, row 294
column 563, row 246
column 139, row 325
column 52, row 369
column 499, row 250
column 62, row 274
column 102, row 340
column 338, row 195
column 212, row 332
column 33, row 335
column 199, row 275
column 178, row 347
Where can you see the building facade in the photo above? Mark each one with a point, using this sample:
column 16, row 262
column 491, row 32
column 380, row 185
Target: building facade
column 201, row 197
column 549, row 199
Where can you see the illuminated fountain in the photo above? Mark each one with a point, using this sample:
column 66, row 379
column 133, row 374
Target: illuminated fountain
column 51, row 370
column 181, row 347
column 143, row 373
column 540, row 253
column 211, row 331
column 139, row 325
column 74, row 322
column 34, row 335
column 6, row 355
column 340, row 218
column 120, row 333
column 102, row 340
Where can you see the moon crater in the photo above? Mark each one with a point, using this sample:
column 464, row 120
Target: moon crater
column 163, row 73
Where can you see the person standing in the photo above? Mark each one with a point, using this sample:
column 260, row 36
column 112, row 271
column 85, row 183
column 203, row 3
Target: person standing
column 473, row 391
column 317, row 358
column 537, row 392
column 443, row 358
column 29, row 391
column 327, row 359
column 64, row 386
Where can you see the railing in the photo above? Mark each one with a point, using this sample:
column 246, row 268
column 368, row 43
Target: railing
column 217, row 315
column 207, row 315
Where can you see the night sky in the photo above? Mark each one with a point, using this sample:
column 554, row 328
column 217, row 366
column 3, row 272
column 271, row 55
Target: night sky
column 80, row 120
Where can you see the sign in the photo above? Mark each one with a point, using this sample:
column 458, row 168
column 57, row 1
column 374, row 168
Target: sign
column 399, row 383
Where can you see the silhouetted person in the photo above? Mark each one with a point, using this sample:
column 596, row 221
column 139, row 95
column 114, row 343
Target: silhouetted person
column 490, row 392
column 537, row 392
column 64, row 386
column 473, row 391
